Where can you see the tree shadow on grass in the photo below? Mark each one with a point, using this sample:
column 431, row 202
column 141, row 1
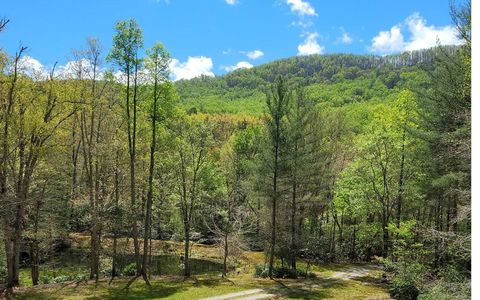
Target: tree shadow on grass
column 160, row 289
column 156, row 291
column 310, row 289
column 372, row 281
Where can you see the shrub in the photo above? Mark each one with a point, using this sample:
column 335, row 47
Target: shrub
column 403, row 290
column 450, row 274
column 61, row 278
column 441, row 290
column 46, row 279
column 130, row 270
column 406, row 282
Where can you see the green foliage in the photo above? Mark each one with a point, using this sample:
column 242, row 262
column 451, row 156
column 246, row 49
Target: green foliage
column 443, row 290
column 404, row 290
column 129, row 270
column 335, row 79
column 126, row 43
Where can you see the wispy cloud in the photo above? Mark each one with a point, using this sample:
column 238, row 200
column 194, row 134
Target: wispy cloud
column 231, row 2
column 345, row 38
column 253, row 54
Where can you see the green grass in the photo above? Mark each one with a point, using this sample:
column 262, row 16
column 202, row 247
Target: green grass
column 322, row 287
column 338, row 289
column 162, row 288
column 177, row 288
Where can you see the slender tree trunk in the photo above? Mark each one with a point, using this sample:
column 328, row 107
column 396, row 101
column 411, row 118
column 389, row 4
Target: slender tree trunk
column 385, row 232
column 186, row 258
column 454, row 213
column 132, row 175
column 117, row 198
column 148, row 214
column 225, row 255
column 401, row 183
column 274, row 199
column 34, row 259
column 333, row 240
column 293, row 244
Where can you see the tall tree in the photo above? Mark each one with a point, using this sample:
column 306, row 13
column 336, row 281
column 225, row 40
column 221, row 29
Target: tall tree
column 28, row 127
column 194, row 139
column 126, row 43
column 303, row 153
column 277, row 105
column 157, row 66
column 445, row 125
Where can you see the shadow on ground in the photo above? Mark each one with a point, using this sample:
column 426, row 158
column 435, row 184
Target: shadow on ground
column 311, row 289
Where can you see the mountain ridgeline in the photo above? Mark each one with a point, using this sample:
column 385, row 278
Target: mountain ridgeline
column 336, row 79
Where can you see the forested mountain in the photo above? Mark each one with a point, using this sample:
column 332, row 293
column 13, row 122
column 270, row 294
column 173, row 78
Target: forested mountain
column 337, row 78
column 311, row 160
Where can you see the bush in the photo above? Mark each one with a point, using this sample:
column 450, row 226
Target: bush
column 262, row 271
column 441, row 290
column 450, row 274
column 403, row 290
column 46, row 279
column 130, row 270
column 407, row 280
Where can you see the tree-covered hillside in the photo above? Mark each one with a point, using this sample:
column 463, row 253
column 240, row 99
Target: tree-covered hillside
column 337, row 79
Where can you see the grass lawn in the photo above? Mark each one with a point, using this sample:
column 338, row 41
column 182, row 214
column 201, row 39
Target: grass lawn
column 162, row 288
column 322, row 287
column 203, row 285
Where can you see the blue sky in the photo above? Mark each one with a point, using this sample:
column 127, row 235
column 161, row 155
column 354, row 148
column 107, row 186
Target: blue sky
column 216, row 36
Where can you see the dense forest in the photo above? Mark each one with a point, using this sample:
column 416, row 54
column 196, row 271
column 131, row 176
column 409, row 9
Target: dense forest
column 311, row 160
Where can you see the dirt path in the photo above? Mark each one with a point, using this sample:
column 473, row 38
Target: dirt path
column 272, row 293
column 253, row 294
column 353, row 272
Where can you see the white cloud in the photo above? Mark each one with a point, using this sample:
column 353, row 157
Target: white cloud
column 310, row 45
column 70, row 70
column 239, row 65
column 195, row 66
column 345, row 38
column 31, row 67
column 231, row 2
column 388, row 41
column 421, row 36
column 254, row 54
column 301, row 7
